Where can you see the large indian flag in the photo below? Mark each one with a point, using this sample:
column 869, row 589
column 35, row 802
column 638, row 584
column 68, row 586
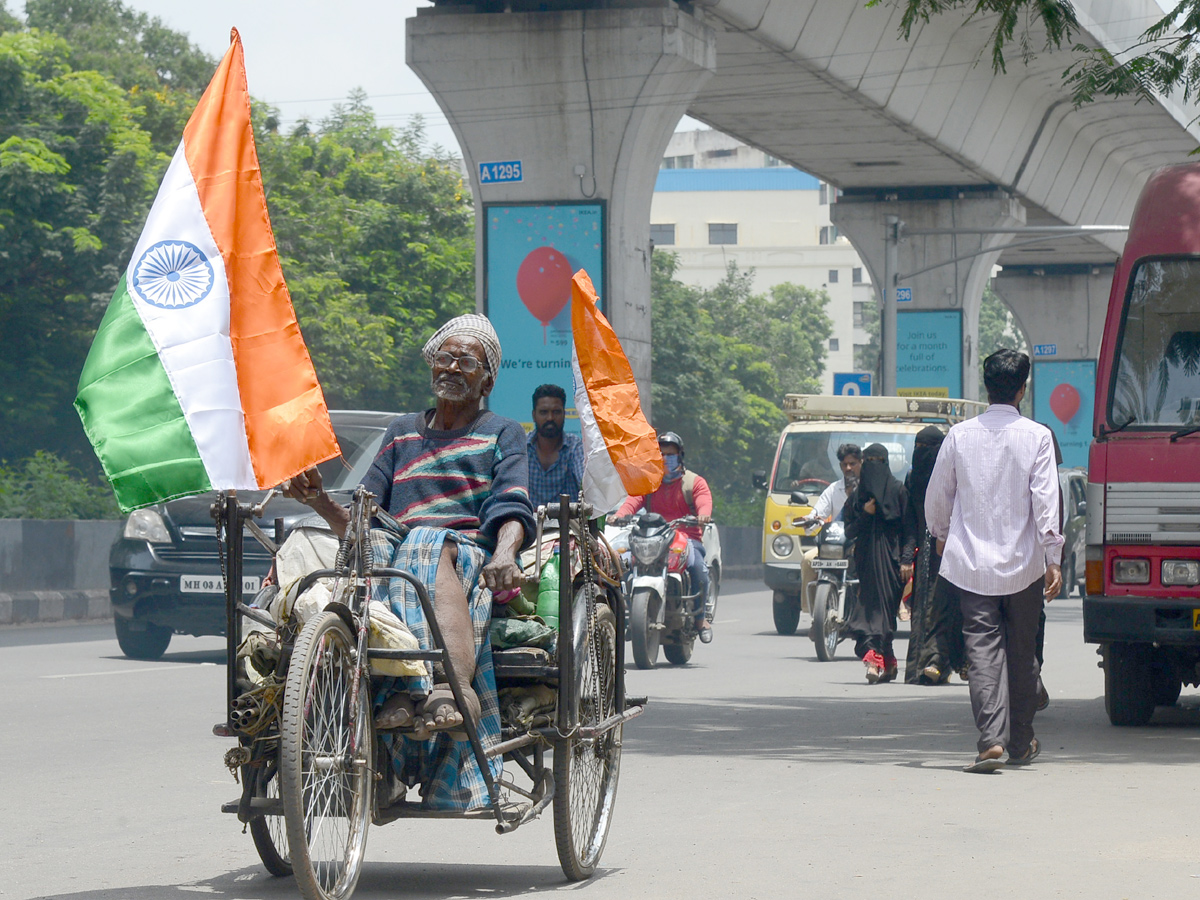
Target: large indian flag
column 620, row 449
column 198, row 378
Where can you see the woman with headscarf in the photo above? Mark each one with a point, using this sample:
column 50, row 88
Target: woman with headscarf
column 877, row 524
column 935, row 644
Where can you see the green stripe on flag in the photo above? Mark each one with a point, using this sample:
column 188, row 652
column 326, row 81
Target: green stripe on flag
column 131, row 415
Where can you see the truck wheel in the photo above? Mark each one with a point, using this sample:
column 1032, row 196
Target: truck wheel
column 1166, row 684
column 148, row 644
column 786, row 610
column 1128, row 686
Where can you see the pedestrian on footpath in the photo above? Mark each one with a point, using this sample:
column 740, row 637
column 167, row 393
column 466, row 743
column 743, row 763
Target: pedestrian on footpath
column 992, row 505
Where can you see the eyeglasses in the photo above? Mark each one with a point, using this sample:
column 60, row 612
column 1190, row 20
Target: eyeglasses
column 467, row 364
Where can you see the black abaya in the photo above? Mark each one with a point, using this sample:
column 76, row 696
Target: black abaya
column 879, row 540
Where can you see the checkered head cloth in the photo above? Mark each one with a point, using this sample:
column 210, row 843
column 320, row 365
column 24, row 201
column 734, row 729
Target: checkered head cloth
column 470, row 325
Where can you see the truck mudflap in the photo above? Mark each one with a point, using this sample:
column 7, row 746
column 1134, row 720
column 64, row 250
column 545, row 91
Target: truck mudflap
column 1158, row 620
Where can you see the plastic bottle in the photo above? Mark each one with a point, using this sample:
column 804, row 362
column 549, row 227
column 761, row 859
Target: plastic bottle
column 547, row 602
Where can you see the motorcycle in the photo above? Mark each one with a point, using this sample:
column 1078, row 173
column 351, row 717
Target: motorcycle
column 662, row 602
column 829, row 594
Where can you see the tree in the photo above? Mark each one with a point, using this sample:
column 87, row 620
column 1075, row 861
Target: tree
column 377, row 243
column 721, row 362
column 1165, row 58
column 998, row 328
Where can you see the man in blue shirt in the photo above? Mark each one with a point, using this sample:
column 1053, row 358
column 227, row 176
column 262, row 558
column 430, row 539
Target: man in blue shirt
column 555, row 458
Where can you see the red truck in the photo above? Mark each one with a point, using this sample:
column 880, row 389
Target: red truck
column 1143, row 497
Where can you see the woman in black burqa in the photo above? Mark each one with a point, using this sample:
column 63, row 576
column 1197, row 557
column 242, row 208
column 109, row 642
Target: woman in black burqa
column 876, row 522
column 935, row 645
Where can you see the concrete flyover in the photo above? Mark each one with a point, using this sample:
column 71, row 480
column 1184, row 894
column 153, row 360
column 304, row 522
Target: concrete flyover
column 923, row 130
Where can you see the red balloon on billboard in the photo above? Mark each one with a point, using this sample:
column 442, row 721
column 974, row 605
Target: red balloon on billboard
column 1064, row 402
column 544, row 283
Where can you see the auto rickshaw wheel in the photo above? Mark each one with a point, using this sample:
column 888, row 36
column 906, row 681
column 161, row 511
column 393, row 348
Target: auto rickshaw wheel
column 325, row 776
column 785, row 608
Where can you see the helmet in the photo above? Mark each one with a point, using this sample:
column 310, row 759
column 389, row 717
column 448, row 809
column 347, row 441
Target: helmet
column 670, row 437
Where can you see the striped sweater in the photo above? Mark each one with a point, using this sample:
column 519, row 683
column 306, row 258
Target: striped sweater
column 472, row 480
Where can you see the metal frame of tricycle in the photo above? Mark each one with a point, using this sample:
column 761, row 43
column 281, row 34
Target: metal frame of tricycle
column 233, row 516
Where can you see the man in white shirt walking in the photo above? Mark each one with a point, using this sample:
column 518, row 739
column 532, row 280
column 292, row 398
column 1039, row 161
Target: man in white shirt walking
column 992, row 505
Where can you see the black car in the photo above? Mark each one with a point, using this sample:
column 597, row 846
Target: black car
column 165, row 569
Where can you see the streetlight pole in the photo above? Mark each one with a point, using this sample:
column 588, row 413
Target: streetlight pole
column 887, row 300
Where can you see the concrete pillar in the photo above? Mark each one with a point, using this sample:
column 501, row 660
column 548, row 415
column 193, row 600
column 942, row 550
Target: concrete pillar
column 586, row 100
column 923, row 263
column 1061, row 305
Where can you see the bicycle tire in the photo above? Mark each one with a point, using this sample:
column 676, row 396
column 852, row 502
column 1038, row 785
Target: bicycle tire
column 327, row 793
column 586, row 770
column 269, row 832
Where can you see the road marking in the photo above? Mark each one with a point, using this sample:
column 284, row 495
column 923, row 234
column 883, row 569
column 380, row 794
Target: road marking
column 726, row 621
column 121, row 672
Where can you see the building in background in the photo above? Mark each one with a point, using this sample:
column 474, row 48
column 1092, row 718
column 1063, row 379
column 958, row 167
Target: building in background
column 718, row 201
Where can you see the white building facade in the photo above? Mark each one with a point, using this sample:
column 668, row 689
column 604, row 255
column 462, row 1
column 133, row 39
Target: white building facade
column 718, row 201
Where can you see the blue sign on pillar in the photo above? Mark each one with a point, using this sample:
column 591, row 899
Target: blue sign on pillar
column 929, row 353
column 530, row 253
column 852, row 384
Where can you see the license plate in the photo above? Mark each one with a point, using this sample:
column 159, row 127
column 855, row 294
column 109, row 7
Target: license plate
column 831, row 563
column 215, row 584
column 1196, row 620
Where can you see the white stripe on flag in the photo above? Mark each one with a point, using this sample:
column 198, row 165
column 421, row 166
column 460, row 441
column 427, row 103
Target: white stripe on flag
column 193, row 340
column 602, row 486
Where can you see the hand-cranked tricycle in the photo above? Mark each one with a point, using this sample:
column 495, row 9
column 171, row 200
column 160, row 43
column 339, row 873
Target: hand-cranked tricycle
column 315, row 772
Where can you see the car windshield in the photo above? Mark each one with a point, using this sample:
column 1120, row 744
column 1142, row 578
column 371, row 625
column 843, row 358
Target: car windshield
column 360, row 444
column 1158, row 366
column 808, row 459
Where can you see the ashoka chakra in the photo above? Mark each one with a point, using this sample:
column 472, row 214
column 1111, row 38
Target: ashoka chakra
column 172, row 275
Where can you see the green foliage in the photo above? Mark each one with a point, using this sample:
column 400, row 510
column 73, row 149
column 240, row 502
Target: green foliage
column 375, row 236
column 45, row 487
column 1014, row 20
column 1164, row 59
column 722, row 360
column 377, row 243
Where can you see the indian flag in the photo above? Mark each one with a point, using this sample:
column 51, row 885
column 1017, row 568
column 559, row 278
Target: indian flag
column 620, row 449
column 198, row 378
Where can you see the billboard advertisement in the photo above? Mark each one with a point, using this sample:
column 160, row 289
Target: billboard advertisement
column 530, row 253
column 1063, row 393
column 929, row 353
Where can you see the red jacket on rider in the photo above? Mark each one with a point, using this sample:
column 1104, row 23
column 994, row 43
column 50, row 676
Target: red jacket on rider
column 669, row 502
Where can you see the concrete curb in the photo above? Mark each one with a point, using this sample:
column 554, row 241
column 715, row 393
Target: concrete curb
column 32, row 607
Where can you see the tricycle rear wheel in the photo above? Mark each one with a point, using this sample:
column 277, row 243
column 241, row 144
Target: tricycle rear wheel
column 269, row 832
column 586, row 769
column 326, row 784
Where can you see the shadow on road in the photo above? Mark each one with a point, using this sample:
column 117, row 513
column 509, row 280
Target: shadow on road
column 379, row 879
column 929, row 729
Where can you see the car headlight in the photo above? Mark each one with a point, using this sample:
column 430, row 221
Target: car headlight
column 782, row 545
column 146, row 525
column 832, row 551
column 1131, row 571
column 646, row 549
column 1181, row 571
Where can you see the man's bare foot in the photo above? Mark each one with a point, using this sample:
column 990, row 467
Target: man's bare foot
column 439, row 712
column 397, row 711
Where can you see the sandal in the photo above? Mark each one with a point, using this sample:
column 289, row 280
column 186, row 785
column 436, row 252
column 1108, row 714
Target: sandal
column 985, row 764
column 1028, row 756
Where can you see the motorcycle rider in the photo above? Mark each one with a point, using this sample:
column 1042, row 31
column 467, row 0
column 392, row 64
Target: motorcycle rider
column 829, row 506
column 682, row 493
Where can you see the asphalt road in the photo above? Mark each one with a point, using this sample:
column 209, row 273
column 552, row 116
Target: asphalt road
column 757, row 772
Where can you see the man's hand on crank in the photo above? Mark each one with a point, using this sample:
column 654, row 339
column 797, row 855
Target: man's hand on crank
column 305, row 487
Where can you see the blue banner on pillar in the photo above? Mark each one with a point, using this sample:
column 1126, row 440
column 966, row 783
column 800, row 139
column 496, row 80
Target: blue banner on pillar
column 530, row 253
column 1063, row 394
column 929, row 353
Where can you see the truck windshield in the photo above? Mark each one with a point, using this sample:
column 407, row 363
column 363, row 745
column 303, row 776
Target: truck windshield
column 808, row 459
column 1158, row 366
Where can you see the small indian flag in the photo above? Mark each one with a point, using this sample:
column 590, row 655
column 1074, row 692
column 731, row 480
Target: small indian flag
column 198, row 378
column 620, row 449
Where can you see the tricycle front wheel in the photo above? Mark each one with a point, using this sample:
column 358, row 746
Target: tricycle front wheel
column 586, row 769
column 325, row 776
